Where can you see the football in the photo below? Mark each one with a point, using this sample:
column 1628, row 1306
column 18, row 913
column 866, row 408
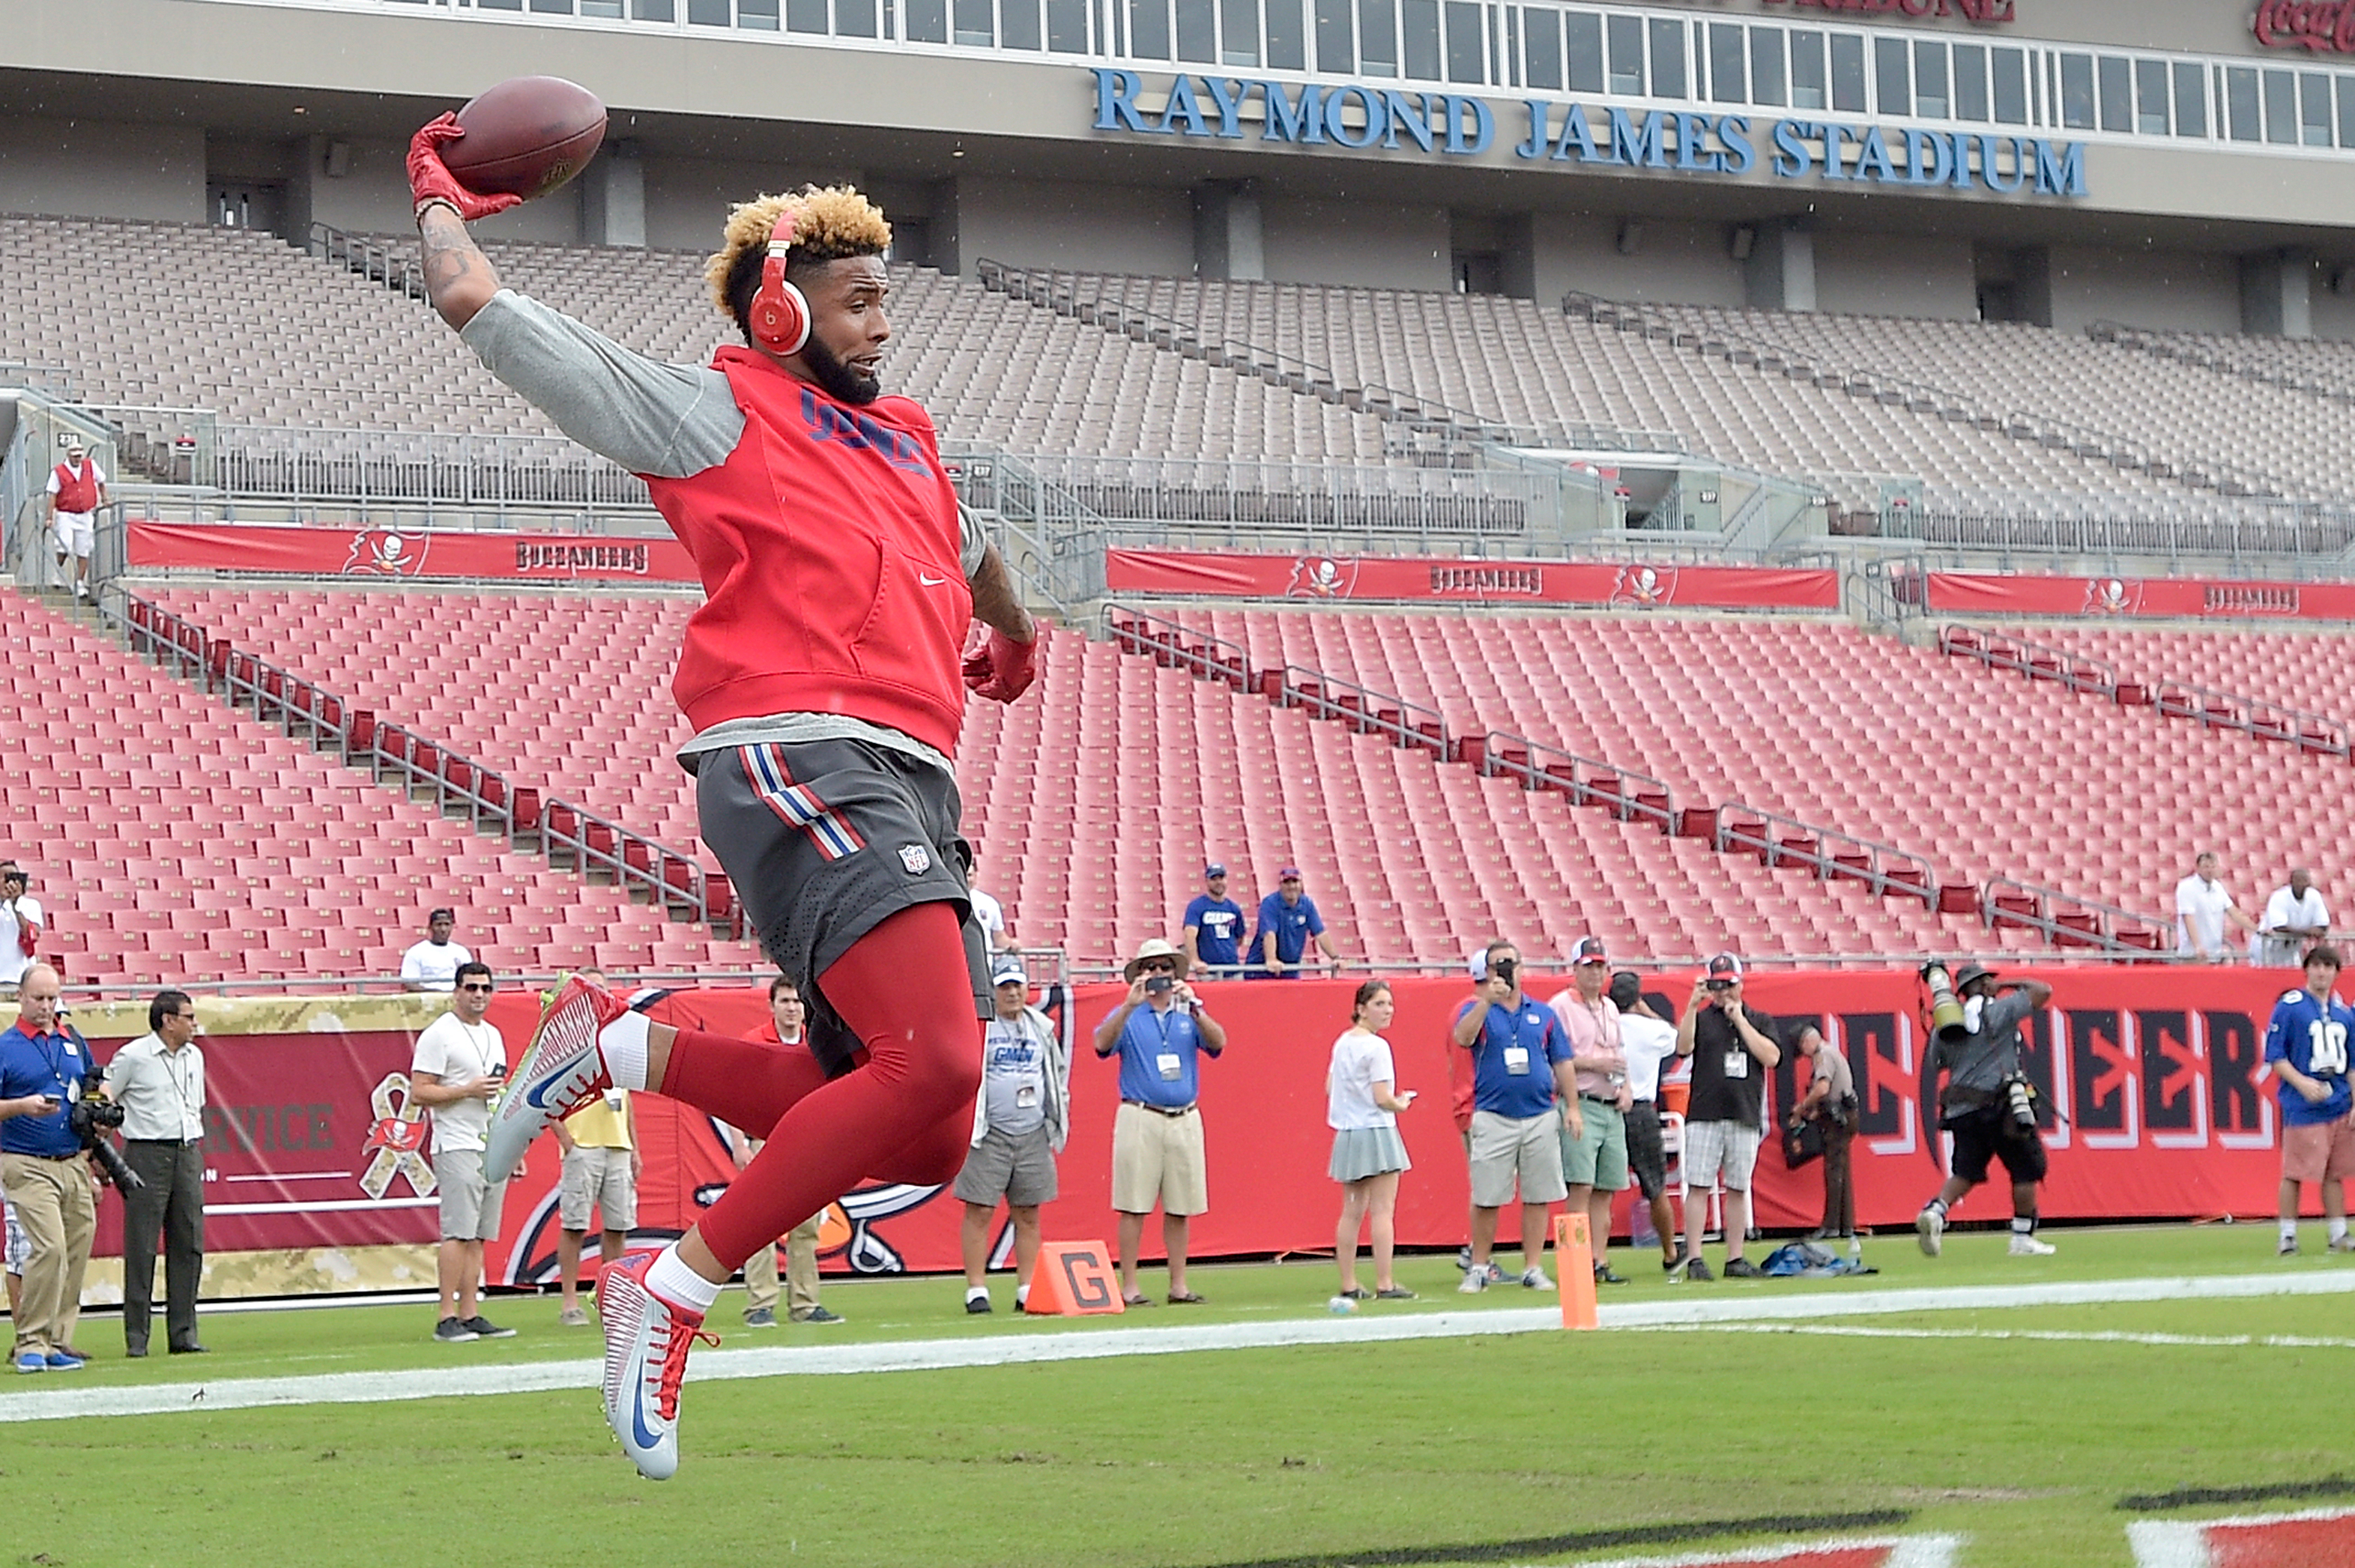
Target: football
column 526, row 136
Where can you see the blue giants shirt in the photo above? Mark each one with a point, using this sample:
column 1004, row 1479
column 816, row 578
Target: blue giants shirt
column 1158, row 1057
column 1495, row 1085
column 51, row 1064
column 1218, row 927
column 1294, row 924
column 2312, row 1038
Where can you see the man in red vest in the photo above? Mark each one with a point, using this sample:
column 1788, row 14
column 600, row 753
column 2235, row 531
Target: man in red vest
column 825, row 677
column 77, row 490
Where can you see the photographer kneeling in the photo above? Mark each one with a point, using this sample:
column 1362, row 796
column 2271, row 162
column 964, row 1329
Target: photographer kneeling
column 1986, row 1103
column 44, row 1066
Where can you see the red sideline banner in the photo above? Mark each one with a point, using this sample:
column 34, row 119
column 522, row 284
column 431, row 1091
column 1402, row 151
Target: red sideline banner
column 2132, row 598
column 413, row 552
column 1412, row 579
column 2151, row 1080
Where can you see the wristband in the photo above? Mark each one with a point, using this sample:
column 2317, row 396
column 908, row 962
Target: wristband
column 431, row 202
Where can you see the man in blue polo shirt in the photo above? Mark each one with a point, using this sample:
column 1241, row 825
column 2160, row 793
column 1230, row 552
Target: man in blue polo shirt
column 2306, row 1047
column 1160, row 1029
column 1521, row 1073
column 1212, row 931
column 45, row 1172
column 1287, row 919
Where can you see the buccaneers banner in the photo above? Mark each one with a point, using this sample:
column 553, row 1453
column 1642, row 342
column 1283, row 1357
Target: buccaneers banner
column 2132, row 598
column 318, row 1176
column 409, row 552
column 1412, row 579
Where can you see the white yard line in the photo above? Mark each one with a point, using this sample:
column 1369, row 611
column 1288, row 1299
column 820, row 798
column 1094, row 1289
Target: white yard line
column 52, row 1402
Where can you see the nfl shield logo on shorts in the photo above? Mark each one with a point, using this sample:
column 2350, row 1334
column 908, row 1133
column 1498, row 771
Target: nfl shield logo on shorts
column 916, row 857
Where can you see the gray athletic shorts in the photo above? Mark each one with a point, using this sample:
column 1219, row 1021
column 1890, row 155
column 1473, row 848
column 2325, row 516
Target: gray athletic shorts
column 469, row 1206
column 826, row 840
column 1017, row 1167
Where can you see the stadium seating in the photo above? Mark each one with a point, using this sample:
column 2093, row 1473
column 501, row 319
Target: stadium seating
column 173, row 840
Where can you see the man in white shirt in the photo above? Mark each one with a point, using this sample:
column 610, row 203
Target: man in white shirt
column 2296, row 919
column 456, row 1070
column 22, row 921
column 990, row 915
column 1647, row 1041
column 432, row 964
column 1020, row 1121
column 2203, row 907
column 76, row 491
column 159, row 1082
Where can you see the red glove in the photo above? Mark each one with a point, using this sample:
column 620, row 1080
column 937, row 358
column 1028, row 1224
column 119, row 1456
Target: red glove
column 1001, row 669
column 430, row 178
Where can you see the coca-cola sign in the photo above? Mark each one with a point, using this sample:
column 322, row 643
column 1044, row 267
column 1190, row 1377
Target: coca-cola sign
column 2322, row 27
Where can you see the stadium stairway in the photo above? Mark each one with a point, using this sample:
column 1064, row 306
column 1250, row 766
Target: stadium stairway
column 173, row 839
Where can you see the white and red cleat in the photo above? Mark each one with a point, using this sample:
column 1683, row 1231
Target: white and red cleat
column 562, row 1070
column 646, row 1341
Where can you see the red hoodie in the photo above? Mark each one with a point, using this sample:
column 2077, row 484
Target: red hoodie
column 829, row 547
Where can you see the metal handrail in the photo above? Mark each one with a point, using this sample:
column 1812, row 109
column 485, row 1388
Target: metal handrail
column 1173, row 643
column 2068, row 919
column 1780, row 840
column 2000, row 650
column 374, row 260
column 2172, row 346
column 2253, row 716
column 1362, row 708
column 1585, row 780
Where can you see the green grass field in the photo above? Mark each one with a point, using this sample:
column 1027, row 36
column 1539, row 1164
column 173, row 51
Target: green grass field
column 1434, row 1448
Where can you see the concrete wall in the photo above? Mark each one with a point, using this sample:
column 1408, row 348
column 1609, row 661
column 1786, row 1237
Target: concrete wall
column 1684, row 263
column 1887, row 274
column 2157, row 289
column 1088, row 228
column 94, row 168
column 1354, row 244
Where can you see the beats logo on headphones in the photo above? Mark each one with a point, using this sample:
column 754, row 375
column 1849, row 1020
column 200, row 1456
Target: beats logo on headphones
column 780, row 317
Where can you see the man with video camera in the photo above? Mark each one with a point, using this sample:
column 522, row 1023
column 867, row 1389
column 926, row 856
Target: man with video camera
column 1732, row 1046
column 1988, row 1104
column 44, row 1069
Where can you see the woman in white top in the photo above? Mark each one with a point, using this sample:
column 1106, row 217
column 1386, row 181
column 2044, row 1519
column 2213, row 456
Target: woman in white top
column 1368, row 1153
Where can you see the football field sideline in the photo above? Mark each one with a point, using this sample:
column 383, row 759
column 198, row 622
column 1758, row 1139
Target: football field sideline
column 1800, row 1309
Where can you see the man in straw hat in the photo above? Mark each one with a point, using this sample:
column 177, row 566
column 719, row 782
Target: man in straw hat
column 1160, row 1030
column 1986, row 1107
column 825, row 677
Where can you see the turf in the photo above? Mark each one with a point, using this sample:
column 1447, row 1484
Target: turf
column 1430, row 1451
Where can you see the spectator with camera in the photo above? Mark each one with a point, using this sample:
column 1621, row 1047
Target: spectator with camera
column 1649, row 1043
column 1020, row 1119
column 458, row 1066
column 159, row 1082
column 1733, row 1049
column 1212, row 929
column 21, row 925
column 1594, row 1159
column 1829, row 1103
column 1986, row 1103
column 1287, row 921
column 1160, row 1030
column 1522, row 1070
column 43, row 1168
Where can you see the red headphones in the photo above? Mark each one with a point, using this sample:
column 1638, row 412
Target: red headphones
column 780, row 317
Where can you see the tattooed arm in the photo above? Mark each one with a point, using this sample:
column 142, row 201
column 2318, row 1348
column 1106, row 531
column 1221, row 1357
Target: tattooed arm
column 459, row 279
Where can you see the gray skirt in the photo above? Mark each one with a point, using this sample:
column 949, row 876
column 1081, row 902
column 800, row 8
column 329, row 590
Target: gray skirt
column 1361, row 1152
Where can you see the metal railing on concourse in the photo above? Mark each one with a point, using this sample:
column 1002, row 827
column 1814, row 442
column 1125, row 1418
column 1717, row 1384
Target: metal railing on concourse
column 2069, row 921
column 1628, row 795
column 1779, row 840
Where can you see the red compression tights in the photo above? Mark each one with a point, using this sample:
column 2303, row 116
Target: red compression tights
column 904, row 1114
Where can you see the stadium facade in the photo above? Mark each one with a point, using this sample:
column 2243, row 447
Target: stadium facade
column 2188, row 164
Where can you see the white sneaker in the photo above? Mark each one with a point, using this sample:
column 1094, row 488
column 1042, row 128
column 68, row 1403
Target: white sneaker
column 561, row 1071
column 1475, row 1282
column 1929, row 1225
column 646, row 1341
column 2030, row 1247
column 1534, row 1278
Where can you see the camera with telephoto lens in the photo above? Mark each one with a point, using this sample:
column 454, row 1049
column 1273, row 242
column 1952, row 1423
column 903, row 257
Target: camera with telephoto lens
column 2019, row 1102
column 93, row 1119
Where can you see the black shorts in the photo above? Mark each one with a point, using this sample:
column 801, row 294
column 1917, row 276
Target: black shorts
column 1647, row 1161
column 1987, row 1134
column 826, row 840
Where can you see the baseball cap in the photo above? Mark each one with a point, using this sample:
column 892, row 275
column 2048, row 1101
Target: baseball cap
column 1214, row 869
column 1725, row 966
column 1007, row 972
column 1288, row 874
column 1587, row 950
column 1627, row 989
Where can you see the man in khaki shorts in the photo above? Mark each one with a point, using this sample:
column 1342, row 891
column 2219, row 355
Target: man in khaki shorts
column 600, row 1172
column 1523, row 1086
column 1160, row 1031
column 456, row 1069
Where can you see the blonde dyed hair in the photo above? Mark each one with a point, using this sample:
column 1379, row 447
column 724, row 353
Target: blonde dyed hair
column 829, row 222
